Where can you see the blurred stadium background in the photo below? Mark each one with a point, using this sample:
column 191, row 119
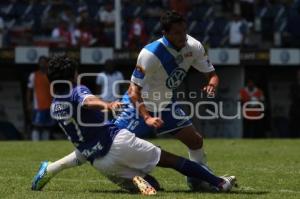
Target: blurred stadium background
column 97, row 30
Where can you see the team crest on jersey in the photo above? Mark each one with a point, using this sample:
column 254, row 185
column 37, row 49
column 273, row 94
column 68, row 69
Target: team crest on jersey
column 176, row 78
column 61, row 110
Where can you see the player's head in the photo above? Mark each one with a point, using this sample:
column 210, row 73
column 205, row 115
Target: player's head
column 62, row 68
column 43, row 64
column 174, row 28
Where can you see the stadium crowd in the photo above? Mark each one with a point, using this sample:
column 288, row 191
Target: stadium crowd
column 256, row 24
column 66, row 23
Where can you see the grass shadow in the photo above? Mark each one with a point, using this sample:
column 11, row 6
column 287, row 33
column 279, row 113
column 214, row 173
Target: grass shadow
column 245, row 192
column 120, row 193
column 184, row 191
column 116, row 191
column 249, row 192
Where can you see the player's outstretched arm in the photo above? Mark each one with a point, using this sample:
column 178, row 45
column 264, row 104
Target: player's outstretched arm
column 134, row 92
column 93, row 102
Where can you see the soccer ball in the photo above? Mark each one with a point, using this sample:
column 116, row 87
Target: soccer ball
column 196, row 184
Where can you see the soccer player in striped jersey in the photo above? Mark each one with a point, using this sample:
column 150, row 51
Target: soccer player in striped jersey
column 161, row 67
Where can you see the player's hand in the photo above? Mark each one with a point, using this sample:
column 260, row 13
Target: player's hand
column 210, row 89
column 154, row 122
column 114, row 106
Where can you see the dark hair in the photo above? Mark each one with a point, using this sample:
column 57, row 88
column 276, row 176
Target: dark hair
column 170, row 17
column 61, row 68
column 43, row 57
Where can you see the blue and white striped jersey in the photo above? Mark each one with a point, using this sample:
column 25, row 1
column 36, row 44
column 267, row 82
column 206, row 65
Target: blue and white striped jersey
column 160, row 69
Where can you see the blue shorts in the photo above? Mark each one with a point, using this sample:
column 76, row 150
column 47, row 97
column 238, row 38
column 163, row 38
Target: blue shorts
column 132, row 121
column 42, row 118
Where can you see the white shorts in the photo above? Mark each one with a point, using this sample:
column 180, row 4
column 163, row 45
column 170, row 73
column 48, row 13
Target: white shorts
column 128, row 156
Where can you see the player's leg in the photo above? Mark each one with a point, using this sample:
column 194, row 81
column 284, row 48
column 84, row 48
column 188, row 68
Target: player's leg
column 128, row 158
column 141, row 155
column 146, row 155
column 73, row 159
column 45, row 135
column 130, row 155
column 194, row 141
column 48, row 169
column 38, row 120
column 35, row 134
column 47, row 122
column 179, row 125
column 192, row 169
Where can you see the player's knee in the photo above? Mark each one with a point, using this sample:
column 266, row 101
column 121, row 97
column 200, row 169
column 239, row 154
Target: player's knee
column 196, row 142
column 191, row 138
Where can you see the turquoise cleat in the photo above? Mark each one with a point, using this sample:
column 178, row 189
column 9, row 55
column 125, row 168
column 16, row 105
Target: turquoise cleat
column 42, row 177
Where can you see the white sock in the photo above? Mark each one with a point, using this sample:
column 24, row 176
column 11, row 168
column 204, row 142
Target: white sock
column 73, row 159
column 35, row 135
column 198, row 156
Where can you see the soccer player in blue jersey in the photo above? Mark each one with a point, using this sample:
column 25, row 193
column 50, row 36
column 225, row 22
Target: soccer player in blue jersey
column 116, row 153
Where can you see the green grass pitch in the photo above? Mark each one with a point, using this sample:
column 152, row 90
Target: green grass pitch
column 264, row 168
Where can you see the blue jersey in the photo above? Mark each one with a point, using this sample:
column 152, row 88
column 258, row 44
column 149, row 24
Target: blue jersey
column 84, row 127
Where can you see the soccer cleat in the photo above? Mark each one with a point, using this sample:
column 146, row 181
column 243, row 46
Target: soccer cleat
column 143, row 186
column 42, row 177
column 153, row 182
column 228, row 183
column 196, row 184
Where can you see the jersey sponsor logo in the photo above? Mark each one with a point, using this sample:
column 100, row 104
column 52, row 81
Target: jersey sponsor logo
column 93, row 150
column 188, row 54
column 176, row 78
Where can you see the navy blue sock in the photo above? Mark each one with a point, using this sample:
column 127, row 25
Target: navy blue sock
column 195, row 170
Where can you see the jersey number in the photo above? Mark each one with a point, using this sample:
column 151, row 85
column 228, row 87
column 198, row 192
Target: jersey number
column 76, row 127
column 133, row 124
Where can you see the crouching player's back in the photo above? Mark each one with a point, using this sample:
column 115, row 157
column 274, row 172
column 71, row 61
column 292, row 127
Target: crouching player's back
column 84, row 127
